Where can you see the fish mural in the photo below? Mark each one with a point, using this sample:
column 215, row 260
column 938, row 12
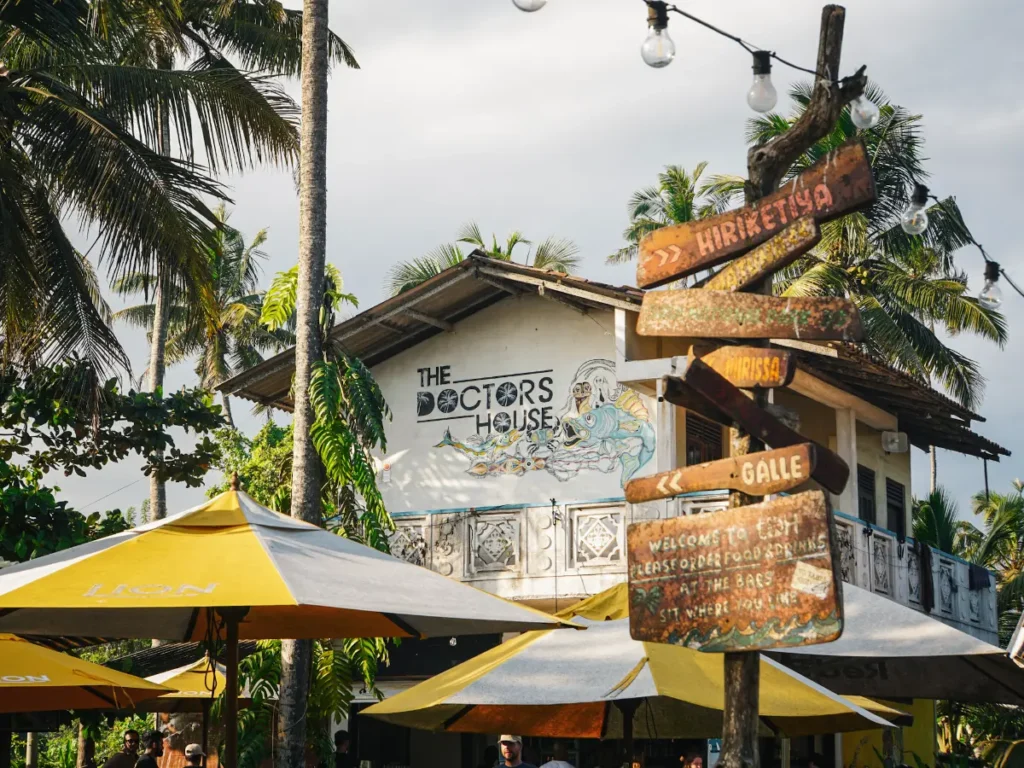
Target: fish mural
column 602, row 427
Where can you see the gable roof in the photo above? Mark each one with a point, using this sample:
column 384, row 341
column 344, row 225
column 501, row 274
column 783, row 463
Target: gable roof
column 403, row 321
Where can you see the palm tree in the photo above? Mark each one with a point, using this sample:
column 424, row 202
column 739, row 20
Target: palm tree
column 674, row 200
column 552, row 254
column 904, row 286
column 223, row 328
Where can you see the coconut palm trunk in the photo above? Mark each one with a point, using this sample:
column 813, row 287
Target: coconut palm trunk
column 296, row 656
column 162, row 306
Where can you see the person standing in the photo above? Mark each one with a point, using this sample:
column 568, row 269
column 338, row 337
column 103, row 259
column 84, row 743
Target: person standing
column 512, row 752
column 342, row 744
column 154, row 746
column 194, row 755
column 129, row 752
column 559, row 756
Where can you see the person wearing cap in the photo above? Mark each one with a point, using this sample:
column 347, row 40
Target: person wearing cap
column 129, row 752
column 194, row 755
column 153, row 743
column 512, row 752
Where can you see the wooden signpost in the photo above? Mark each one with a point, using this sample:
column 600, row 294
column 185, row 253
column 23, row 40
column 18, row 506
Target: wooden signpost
column 712, row 396
column 727, row 315
column 743, row 579
column 756, row 474
column 749, row 367
column 838, row 183
column 781, row 251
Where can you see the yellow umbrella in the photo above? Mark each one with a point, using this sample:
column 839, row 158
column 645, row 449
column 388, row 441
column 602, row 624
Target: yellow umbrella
column 36, row 679
column 602, row 683
column 234, row 568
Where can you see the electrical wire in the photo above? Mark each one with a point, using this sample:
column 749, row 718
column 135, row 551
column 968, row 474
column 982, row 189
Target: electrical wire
column 747, row 46
column 970, row 238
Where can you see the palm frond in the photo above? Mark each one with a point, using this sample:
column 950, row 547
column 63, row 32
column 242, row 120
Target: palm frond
column 408, row 274
column 557, row 255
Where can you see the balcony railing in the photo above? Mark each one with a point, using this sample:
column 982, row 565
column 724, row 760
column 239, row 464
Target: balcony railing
column 543, row 553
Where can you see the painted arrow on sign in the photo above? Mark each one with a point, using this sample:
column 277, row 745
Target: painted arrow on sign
column 756, row 474
column 839, row 183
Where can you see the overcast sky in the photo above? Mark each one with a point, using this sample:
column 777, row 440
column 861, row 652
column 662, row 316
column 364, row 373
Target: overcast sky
column 546, row 122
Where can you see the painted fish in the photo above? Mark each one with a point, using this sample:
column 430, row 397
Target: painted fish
column 479, row 446
column 611, row 423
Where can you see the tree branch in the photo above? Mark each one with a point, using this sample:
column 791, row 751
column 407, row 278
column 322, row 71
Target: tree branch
column 768, row 163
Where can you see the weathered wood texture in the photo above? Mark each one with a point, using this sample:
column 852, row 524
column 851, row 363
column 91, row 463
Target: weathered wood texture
column 838, row 183
column 781, row 251
column 743, row 579
column 727, row 315
column 712, row 396
column 749, row 367
column 757, row 474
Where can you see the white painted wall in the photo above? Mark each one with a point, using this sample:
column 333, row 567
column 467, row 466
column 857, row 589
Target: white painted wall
column 541, row 349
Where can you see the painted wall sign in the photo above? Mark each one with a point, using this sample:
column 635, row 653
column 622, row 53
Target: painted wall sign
column 838, row 183
column 749, row 367
column 782, row 250
column 727, row 315
column 520, row 428
column 707, row 393
column 757, row 474
column 743, row 579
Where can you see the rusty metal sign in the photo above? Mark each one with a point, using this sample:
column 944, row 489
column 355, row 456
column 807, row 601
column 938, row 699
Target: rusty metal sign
column 744, row 579
column 781, row 251
column 838, row 183
column 749, row 367
column 702, row 390
column 727, row 315
column 756, row 474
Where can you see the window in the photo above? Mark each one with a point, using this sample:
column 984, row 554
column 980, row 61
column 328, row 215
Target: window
column 866, row 493
column 896, row 507
column 703, row 440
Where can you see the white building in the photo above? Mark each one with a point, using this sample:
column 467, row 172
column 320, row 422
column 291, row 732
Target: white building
column 523, row 400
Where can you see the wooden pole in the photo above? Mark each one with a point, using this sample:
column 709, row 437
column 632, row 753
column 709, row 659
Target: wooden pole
column 627, row 709
column 766, row 166
column 206, row 704
column 232, row 618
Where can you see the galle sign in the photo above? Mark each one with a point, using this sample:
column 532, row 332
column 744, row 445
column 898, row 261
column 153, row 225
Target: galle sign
column 838, row 183
column 744, row 579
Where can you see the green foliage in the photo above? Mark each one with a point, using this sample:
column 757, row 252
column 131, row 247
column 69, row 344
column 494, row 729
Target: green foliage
column 553, row 254
column 83, row 423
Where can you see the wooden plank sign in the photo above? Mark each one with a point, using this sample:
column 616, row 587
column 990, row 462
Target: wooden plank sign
column 838, row 183
column 743, row 579
column 700, row 386
column 781, row 251
column 756, row 474
column 727, row 315
column 749, row 367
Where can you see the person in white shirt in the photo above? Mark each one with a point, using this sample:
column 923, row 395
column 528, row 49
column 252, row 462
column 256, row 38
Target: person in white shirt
column 559, row 755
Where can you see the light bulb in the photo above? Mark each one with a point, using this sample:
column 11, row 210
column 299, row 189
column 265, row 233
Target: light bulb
column 915, row 219
column 991, row 295
column 864, row 113
column 529, row 6
column 658, row 49
column 762, row 95
column 455, row 641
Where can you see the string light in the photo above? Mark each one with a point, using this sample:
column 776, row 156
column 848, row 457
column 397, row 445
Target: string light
column 762, row 96
column 864, row 113
column 991, row 295
column 529, row 6
column 658, row 49
column 915, row 219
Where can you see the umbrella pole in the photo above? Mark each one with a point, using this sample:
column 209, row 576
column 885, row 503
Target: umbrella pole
column 232, row 617
column 627, row 708
column 206, row 727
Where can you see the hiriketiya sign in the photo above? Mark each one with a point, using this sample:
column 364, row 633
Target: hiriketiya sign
column 745, row 579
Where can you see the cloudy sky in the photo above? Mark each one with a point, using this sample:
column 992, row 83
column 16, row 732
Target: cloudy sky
column 546, row 122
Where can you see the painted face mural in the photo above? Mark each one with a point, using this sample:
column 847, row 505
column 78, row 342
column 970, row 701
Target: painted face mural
column 602, row 426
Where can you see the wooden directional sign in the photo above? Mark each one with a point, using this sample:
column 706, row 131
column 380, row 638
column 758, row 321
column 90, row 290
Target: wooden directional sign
column 749, row 367
column 727, row 315
column 704, row 391
column 838, row 183
column 756, row 474
column 743, row 579
column 781, row 251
